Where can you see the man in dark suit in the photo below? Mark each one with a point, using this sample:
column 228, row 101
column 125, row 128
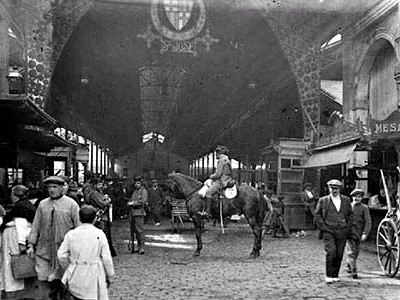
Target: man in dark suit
column 334, row 217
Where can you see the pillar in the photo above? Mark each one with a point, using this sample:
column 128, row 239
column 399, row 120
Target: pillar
column 96, row 148
column 208, row 165
column 101, row 161
column 213, row 161
column 91, row 156
column 202, row 167
column 239, row 173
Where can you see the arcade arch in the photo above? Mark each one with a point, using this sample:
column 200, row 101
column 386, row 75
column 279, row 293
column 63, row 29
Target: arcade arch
column 376, row 94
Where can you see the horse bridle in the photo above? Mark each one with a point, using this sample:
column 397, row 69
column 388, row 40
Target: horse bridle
column 191, row 193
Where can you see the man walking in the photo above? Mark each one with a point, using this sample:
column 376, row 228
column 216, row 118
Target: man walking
column 361, row 229
column 136, row 210
column 156, row 200
column 54, row 217
column 334, row 217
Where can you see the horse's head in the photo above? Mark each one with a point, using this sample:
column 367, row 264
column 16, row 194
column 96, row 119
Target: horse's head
column 173, row 189
column 182, row 184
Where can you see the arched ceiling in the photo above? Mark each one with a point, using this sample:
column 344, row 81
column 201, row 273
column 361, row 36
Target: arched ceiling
column 241, row 93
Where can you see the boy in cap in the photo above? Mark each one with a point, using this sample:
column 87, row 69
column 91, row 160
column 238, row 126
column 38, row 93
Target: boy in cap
column 86, row 257
column 334, row 217
column 360, row 230
column 54, row 217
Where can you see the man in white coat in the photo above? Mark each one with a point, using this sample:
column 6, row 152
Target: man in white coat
column 86, row 257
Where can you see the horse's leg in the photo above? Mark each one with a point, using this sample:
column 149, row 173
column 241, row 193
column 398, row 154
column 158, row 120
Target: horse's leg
column 198, row 227
column 257, row 231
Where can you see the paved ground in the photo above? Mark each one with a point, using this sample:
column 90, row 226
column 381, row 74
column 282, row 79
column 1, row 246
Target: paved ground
column 287, row 269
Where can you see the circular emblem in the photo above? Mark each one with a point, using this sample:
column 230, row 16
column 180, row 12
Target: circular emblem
column 178, row 19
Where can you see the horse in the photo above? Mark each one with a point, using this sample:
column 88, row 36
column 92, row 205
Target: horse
column 249, row 201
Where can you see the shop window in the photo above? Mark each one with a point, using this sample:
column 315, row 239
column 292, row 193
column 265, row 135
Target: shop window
column 296, row 162
column 285, row 163
column 59, row 168
column 14, row 174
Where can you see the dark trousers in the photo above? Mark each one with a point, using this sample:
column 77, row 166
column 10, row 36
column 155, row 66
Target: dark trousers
column 334, row 248
column 136, row 225
column 105, row 225
column 156, row 212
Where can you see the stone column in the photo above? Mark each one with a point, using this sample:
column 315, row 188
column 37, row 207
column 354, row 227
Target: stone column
column 397, row 78
column 4, row 49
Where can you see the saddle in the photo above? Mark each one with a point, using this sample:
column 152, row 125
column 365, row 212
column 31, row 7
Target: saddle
column 229, row 192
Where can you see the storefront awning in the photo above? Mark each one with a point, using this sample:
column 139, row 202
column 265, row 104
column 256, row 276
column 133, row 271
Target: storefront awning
column 338, row 155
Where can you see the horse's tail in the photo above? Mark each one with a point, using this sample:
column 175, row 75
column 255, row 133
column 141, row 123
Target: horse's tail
column 262, row 212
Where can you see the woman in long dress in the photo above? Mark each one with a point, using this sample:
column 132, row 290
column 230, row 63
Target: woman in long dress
column 15, row 229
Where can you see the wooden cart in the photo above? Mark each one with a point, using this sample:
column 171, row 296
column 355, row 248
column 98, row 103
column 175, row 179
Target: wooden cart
column 387, row 237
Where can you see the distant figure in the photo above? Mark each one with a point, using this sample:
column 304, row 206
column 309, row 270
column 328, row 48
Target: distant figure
column 268, row 216
column 334, row 217
column 136, row 210
column 86, row 258
column 379, row 201
column 277, row 222
column 156, row 201
column 309, row 200
column 360, row 231
column 73, row 192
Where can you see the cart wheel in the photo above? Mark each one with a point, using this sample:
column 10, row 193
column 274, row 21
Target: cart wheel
column 387, row 242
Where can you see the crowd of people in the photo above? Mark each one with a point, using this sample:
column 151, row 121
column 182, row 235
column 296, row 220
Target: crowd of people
column 66, row 230
column 68, row 233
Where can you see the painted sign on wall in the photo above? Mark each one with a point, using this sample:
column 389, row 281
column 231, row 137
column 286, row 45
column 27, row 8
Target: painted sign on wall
column 388, row 128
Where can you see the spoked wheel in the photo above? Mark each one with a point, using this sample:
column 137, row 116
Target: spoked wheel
column 388, row 248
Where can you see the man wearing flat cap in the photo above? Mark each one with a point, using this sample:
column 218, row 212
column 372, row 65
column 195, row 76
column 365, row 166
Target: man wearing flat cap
column 334, row 217
column 54, row 217
column 360, row 230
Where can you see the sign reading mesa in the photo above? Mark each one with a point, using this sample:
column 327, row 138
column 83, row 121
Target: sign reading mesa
column 388, row 128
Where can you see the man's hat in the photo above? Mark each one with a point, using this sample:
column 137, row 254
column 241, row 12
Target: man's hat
column 334, row 183
column 222, row 150
column 154, row 181
column 20, row 191
column 73, row 186
column 137, row 178
column 308, row 184
column 54, row 180
column 355, row 192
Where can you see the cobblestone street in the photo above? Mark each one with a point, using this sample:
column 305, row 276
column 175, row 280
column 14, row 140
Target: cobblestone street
column 287, row 269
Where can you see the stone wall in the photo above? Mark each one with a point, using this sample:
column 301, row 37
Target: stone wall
column 361, row 43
